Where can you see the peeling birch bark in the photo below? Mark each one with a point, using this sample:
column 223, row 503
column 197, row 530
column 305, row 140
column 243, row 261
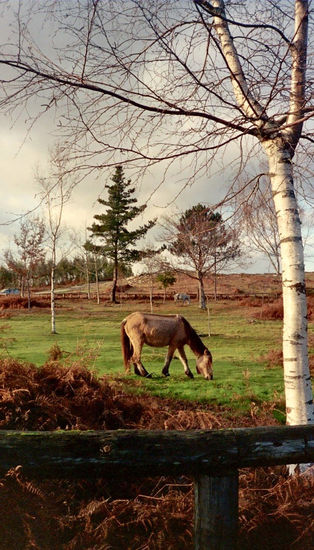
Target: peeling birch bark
column 279, row 143
column 298, row 391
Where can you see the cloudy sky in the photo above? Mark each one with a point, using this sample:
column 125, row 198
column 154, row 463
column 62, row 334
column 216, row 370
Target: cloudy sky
column 23, row 152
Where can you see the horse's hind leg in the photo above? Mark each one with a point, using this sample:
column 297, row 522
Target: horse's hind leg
column 139, row 368
column 136, row 369
column 165, row 370
column 184, row 362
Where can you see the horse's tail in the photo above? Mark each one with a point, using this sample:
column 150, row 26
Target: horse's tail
column 127, row 349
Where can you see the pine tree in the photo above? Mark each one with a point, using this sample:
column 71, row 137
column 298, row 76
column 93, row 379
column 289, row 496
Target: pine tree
column 111, row 227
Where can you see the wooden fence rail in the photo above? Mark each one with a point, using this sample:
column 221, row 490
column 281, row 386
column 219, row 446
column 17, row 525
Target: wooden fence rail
column 212, row 457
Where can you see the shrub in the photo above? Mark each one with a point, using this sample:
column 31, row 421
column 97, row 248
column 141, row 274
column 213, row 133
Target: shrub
column 271, row 311
column 275, row 512
column 273, row 358
column 275, row 310
column 18, row 302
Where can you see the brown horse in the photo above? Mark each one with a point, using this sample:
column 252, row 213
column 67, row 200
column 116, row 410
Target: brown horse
column 173, row 331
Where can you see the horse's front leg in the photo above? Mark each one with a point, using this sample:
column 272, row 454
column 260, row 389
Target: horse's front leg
column 165, row 370
column 184, row 362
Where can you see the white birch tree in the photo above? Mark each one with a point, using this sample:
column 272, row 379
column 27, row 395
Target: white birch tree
column 279, row 139
column 56, row 191
column 185, row 84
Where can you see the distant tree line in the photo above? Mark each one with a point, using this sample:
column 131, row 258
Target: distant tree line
column 68, row 271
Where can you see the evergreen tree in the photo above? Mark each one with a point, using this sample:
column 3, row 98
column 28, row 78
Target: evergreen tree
column 117, row 242
column 7, row 277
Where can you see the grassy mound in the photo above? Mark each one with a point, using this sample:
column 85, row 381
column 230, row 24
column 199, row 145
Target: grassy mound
column 275, row 511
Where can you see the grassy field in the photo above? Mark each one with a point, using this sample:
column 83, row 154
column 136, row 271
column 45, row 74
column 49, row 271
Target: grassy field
column 90, row 334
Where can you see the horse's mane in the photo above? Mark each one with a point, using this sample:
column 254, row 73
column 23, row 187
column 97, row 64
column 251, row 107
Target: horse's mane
column 195, row 342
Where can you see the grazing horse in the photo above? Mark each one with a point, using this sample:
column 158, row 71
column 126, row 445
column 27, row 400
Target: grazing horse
column 173, row 331
column 181, row 296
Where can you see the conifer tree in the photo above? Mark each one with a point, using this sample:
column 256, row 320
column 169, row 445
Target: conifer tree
column 110, row 234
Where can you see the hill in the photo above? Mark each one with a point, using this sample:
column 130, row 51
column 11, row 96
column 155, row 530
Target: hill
column 228, row 285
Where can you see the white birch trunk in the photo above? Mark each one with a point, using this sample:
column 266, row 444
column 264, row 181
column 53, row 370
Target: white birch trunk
column 87, row 276
column 280, row 150
column 28, row 292
column 52, row 299
column 52, row 286
column 97, row 281
column 297, row 381
column 245, row 100
column 151, row 290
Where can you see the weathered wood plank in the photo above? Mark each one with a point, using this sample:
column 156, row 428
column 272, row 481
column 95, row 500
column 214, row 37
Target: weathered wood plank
column 216, row 512
column 153, row 452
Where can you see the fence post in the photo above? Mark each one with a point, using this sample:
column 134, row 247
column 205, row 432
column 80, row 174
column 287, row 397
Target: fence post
column 216, row 511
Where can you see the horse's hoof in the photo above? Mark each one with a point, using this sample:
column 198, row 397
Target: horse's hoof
column 148, row 375
column 189, row 374
column 166, row 374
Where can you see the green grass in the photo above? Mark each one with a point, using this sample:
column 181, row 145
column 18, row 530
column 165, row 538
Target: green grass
column 91, row 334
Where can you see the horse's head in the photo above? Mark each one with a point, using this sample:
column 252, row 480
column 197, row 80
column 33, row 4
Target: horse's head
column 204, row 365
